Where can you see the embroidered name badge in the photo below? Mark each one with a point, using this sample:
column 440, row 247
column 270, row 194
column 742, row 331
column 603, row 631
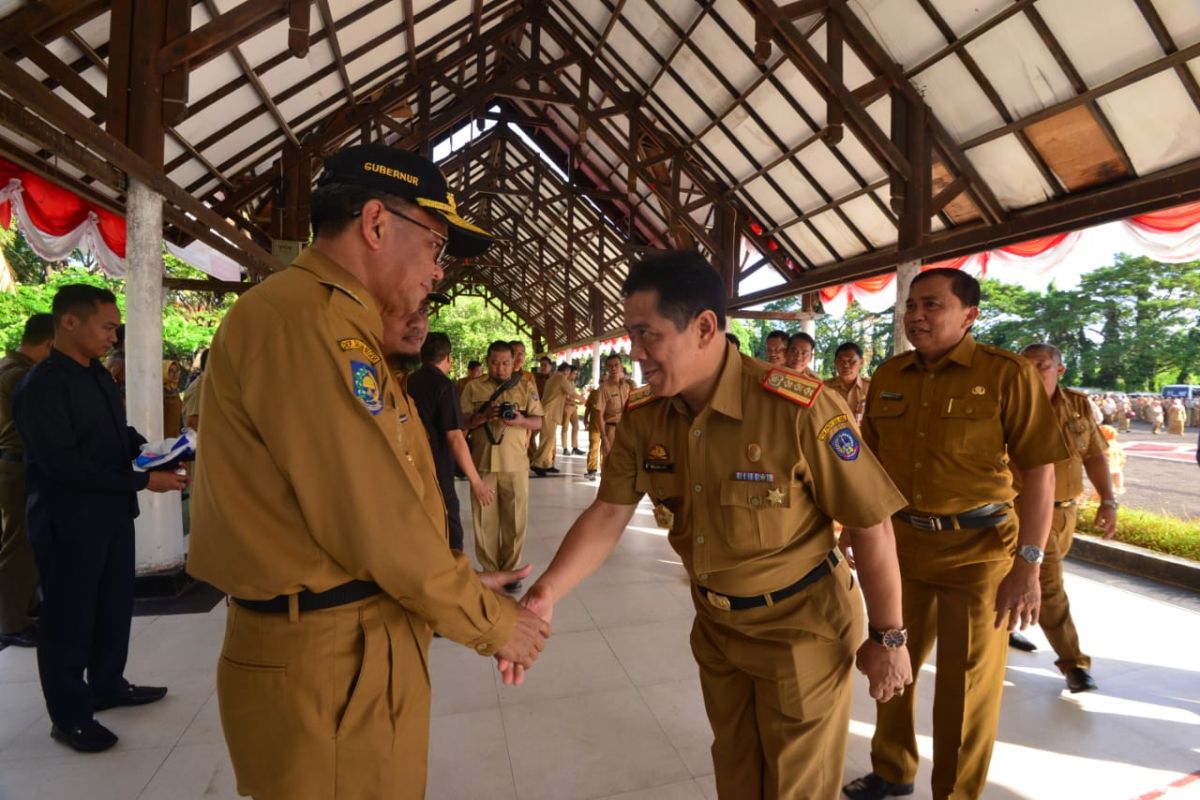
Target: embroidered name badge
column 890, row 396
column 366, row 386
column 346, row 345
column 658, row 460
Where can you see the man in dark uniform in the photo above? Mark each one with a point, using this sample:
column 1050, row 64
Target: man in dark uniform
column 82, row 502
column 440, row 410
column 747, row 466
column 18, row 572
column 947, row 421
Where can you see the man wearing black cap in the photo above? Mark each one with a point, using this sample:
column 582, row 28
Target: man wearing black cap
column 312, row 514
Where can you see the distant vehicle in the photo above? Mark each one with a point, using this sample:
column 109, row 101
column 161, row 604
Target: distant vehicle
column 1184, row 391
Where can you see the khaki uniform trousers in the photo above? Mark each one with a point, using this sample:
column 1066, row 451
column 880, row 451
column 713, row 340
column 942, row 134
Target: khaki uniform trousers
column 777, row 684
column 949, row 581
column 500, row 527
column 595, row 440
column 18, row 571
column 326, row 705
column 570, row 420
column 1055, row 613
column 543, row 457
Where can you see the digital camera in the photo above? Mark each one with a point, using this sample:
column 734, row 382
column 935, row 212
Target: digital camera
column 508, row 411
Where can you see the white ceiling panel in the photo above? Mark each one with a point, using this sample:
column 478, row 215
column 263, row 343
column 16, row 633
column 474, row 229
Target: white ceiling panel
column 1103, row 38
column 1008, row 170
column 1175, row 135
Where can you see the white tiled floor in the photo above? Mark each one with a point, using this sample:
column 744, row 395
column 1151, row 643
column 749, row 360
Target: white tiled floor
column 613, row 708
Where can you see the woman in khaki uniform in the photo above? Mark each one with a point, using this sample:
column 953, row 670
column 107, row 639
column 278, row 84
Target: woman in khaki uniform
column 746, row 466
column 310, row 510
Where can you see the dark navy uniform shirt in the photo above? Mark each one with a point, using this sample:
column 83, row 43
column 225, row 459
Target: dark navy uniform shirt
column 79, row 450
column 438, row 404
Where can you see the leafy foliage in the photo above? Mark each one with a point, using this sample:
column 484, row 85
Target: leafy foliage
column 472, row 324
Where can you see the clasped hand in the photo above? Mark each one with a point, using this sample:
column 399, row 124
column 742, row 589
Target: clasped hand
column 532, row 629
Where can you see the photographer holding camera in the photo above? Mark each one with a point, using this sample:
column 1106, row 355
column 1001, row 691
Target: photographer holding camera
column 502, row 410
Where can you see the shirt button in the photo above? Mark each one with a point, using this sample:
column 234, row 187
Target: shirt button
column 754, row 501
column 699, row 540
column 921, row 433
column 697, row 488
column 703, row 576
column 917, row 465
column 924, row 405
column 697, row 433
column 916, row 497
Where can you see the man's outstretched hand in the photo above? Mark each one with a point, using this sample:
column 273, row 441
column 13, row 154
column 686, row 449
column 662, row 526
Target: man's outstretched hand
column 526, row 643
column 539, row 600
column 496, row 581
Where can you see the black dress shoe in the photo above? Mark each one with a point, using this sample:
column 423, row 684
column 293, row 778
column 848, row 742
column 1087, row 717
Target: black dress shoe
column 566, row 451
column 578, row 452
column 1018, row 641
column 1080, row 680
column 131, row 696
column 512, row 588
column 539, row 471
column 25, row 638
column 88, row 737
column 873, row 787
column 553, row 469
column 590, row 474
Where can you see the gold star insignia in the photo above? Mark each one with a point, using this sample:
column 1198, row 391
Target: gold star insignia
column 775, row 496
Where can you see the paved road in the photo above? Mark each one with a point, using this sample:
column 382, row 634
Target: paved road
column 1161, row 474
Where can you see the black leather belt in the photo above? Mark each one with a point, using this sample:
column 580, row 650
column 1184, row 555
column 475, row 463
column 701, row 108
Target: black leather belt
column 12, row 456
column 730, row 603
column 1063, row 503
column 983, row 517
column 349, row 592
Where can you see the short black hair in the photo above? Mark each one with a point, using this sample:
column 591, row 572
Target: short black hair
column 844, row 346
column 963, row 286
column 516, row 343
column 802, row 337
column 499, row 346
column 610, row 357
column 687, row 285
column 776, row 334
column 564, row 367
column 473, row 363
column 39, row 328
column 733, row 340
column 80, row 299
column 333, row 206
column 436, row 348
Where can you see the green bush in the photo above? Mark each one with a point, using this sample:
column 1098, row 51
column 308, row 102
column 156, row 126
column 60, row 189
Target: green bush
column 1158, row 532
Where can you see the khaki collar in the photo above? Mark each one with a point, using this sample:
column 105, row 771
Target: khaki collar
column 727, row 396
column 962, row 353
column 328, row 272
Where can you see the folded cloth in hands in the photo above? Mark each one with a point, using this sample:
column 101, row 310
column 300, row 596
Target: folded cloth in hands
column 167, row 453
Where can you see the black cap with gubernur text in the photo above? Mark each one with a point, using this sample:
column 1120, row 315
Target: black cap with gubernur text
column 411, row 177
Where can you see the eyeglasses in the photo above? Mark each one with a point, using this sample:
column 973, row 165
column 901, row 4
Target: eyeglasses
column 442, row 238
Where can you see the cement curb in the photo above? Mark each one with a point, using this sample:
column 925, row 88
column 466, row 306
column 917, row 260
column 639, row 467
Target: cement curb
column 1137, row 561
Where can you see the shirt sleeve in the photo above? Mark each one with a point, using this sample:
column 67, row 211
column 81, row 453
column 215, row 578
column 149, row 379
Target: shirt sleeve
column 847, row 482
column 43, row 419
column 452, row 409
column 618, row 477
column 533, row 407
column 1030, row 425
column 338, row 448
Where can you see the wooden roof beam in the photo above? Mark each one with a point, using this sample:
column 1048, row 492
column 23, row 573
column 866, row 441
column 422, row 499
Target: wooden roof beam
column 220, row 34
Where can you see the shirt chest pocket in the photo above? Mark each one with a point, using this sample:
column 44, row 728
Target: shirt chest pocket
column 1079, row 433
column 971, row 424
column 758, row 517
column 887, row 419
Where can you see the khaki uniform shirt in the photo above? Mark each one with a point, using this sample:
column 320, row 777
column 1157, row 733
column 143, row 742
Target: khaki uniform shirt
column 591, row 412
column 324, row 487
column 191, row 398
column 750, row 485
column 510, row 454
column 945, row 434
column 1082, row 437
column 855, row 394
column 13, row 370
column 611, row 403
column 558, row 388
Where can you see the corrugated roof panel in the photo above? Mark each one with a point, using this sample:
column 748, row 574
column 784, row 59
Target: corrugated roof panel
column 838, row 234
column 778, row 115
column 429, row 28
column 725, row 154
column 644, row 63
column 798, row 87
column 1174, row 135
column 1020, row 68
column 826, row 169
column 199, row 127
column 1101, row 46
column 669, row 95
column 966, row 17
column 216, row 74
column 954, row 96
column 902, row 27
column 299, row 103
column 1182, row 18
column 870, row 221
column 1012, row 176
column 355, row 35
column 853, row 150
column 774, row 207
column 755, row 140
column 725, row 55
column 802, row 240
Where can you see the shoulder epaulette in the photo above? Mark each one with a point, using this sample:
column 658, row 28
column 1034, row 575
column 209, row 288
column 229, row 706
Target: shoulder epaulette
column 800, row 389
column 1000, row 351
column 639, row 397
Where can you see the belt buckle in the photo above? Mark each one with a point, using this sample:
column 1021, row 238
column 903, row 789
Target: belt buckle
column 718, row 600
column 925, row 523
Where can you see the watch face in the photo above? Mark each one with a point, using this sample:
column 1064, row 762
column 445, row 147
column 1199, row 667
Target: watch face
column 1031, row 554
column 894, row 639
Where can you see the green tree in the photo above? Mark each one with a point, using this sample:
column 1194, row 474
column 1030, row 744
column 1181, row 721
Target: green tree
column 472, row 324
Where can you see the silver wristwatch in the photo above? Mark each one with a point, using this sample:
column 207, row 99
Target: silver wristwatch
column 891, row 639
column 1031, row 553
column 1111, row 503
